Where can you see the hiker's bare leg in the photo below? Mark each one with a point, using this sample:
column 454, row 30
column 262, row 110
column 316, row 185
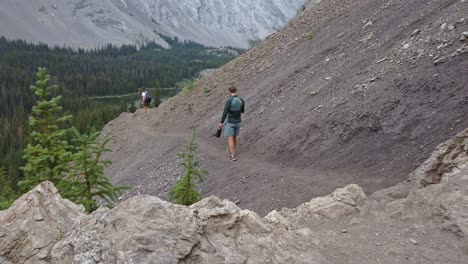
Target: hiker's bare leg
column 235, row 143
column 232, row 145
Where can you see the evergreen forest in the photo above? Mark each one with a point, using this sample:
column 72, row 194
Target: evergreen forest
column 79, row 75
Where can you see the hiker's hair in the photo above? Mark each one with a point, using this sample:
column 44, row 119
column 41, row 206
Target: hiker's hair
column 232, row 89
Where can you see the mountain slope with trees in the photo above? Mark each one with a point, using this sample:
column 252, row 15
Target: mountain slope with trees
column 107, row 71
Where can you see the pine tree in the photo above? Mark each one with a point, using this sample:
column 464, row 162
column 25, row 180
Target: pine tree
column 185, row 192
column 87, row 179
column 46, row 156
column 7, row 196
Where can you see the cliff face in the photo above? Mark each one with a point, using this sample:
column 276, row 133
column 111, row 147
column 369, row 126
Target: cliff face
column 217, row 22
column 90, row 23
column 423, row 220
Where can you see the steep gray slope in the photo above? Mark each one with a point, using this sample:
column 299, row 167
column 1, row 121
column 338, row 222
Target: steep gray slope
column 347, row 85
column 349, row 92
column 90, row 23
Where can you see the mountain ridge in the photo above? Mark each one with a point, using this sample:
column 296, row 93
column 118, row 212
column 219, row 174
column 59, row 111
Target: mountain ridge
column 92, row 23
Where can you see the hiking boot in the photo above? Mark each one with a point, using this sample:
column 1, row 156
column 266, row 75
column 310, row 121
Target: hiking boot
column 232, row 158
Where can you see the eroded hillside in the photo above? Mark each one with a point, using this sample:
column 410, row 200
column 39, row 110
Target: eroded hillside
column 354, row 84
column 348, row 92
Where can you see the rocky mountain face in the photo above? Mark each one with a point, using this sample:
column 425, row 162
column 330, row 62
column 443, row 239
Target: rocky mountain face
column 423, row 220
column 92, row 23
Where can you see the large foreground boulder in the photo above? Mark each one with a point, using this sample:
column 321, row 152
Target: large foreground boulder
column 438, row 189
column 41, row 227
column 425, row 216
column 146, row 229
column 34, row 223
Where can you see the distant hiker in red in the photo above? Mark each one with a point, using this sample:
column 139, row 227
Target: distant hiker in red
column 145, row 100
column 231, row 120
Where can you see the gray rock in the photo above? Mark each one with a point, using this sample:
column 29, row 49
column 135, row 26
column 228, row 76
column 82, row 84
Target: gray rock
column 343, row 201
column 406, row 46
column 34, row 222
column 443, row 26
column 146, row 229
column 381, row 60
column 440, row 60
column 415, row 32
column 442, row 185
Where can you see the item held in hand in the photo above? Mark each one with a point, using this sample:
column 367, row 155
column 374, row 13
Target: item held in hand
column 218, row 133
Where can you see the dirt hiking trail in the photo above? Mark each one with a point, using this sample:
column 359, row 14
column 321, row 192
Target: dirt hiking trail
column 146, row 159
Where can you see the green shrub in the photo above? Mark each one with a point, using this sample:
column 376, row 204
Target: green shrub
column 191, row 85
column 185, row 190
column 87, row 179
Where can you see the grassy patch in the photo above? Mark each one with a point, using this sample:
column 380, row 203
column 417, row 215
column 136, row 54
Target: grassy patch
column 191, row 85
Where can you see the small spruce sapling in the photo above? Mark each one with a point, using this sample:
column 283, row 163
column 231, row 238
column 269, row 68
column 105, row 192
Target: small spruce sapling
column 87, row 173
column 185, row 191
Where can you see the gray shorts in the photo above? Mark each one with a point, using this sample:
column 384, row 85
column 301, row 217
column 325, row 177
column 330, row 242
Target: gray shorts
column 231, row 130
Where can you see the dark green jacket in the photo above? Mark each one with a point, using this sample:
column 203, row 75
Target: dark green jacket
column 233, row 110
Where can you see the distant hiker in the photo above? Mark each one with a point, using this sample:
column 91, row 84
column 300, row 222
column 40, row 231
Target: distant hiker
column 145, row 100
column 231, row 120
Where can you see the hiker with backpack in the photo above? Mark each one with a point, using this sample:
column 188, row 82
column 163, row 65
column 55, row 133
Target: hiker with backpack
column 145, row 100
column 231, row 120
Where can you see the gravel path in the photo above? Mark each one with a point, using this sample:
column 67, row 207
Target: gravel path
column 146, row 159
